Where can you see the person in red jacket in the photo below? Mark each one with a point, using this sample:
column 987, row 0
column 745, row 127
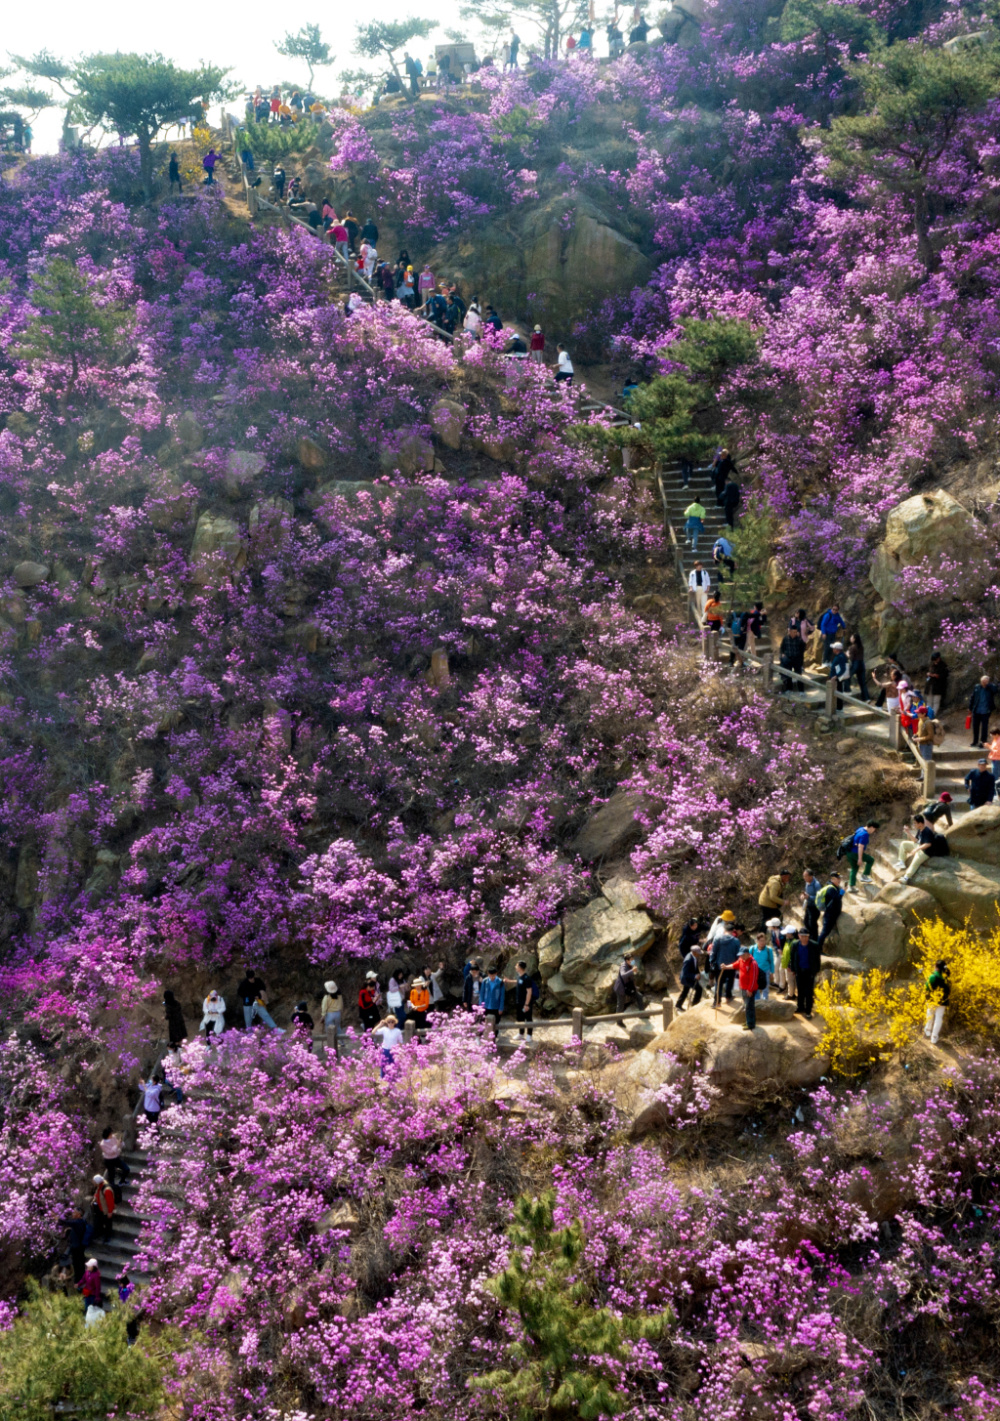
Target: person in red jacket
column 749, row 975
column 536, row 346
column 90, row 1284
column 104, row 1207
column 369, row 1000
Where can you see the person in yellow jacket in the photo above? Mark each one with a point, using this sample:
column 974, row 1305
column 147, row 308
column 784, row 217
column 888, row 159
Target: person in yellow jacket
column 420, row 1001
column 772, row 896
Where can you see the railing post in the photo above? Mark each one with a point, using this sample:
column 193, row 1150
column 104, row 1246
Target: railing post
column 332, row 1042
column 409, row 1031
column 766, row 671
column 128, row 1130
column 578, row 1023
column 930, row 778
column 894, row 735
column 668, row 1012
column 830, row 691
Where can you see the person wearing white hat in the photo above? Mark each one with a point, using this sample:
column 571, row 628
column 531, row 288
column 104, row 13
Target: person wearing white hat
column 369, row 1000
column 536, row 351
column 420, row 1001
column 213, row 1014
column 332, row 1007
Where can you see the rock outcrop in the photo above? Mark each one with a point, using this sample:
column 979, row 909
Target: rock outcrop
column 579, row 960
column 875, row 933
column 217, row 551
column 611, row 829
column 566, row 253
column 976, row 835
column 964, row 891
column 931, row 526
column 747, row 1066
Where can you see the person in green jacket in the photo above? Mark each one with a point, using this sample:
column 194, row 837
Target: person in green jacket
column 937, row 991
column 694, row 521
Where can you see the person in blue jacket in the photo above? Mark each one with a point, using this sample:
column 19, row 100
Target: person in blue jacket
column 763, row 954
column 492, row 993
column 831, row 624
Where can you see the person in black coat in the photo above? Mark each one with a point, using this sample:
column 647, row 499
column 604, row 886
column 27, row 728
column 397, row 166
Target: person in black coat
column 830, row 902
column 176, row 1026
column 730, row 500
column 369, row 232
column 690, row 937
column 807, row 965
column 690, row 978
column 792, row 657
column 981, row 785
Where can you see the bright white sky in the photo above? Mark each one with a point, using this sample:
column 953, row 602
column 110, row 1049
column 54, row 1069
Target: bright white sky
column 240, row 36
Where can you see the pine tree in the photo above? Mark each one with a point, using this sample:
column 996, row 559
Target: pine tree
column 678, row 412
column 563, row 1364
column 69, row 326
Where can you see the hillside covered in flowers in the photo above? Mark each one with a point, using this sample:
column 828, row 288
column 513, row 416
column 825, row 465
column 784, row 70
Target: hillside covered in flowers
column 323, row 642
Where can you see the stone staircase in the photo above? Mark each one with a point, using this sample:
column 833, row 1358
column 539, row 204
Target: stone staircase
column 116, row 1256
column 953, row 759
column 676, row 498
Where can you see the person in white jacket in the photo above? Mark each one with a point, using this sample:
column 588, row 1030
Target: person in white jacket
column 700, row 584
column 214, row 1014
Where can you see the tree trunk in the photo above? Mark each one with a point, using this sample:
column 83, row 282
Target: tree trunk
column 146, row 162
column 922, row 223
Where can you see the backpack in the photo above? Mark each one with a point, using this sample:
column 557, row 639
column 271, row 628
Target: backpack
column 845, row 847
column 418, row 67
column 939, row 732
column 366, row 998
column 824, row 896
column 939, row 848
column 736, row 624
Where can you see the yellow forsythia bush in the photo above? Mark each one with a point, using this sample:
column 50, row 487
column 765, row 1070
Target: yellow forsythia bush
column 871, row 1016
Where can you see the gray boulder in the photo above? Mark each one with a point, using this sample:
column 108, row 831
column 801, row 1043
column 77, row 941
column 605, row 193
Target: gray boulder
column 611, row 829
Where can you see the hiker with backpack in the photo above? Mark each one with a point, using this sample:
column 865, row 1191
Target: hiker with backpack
column 722, row 556
column 855, row 849
column 830, row 902
column 103, row 1208
column 525, row 996
column 925, row 736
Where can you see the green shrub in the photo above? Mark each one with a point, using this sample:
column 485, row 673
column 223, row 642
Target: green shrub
column 49, row 1356
column 270, row 141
